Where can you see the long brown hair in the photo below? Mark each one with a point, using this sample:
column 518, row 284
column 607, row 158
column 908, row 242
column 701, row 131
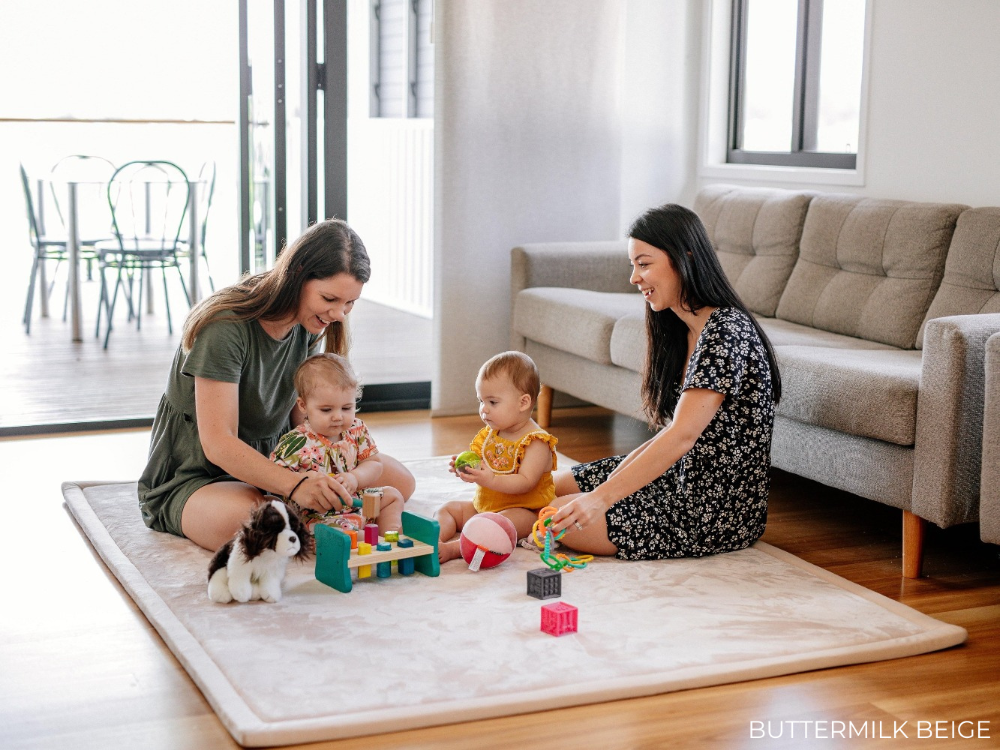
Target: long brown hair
column 326, row 249
column 679, row 233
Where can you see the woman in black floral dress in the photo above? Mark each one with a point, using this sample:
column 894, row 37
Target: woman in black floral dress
column 710, row 384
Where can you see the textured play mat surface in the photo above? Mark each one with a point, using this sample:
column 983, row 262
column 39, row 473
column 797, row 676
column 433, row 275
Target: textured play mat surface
column 404, row 652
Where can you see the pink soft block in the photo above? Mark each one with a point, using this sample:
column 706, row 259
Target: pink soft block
column 559, row 618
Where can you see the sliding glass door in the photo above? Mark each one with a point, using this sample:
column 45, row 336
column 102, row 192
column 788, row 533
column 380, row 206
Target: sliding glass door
column 316, row 142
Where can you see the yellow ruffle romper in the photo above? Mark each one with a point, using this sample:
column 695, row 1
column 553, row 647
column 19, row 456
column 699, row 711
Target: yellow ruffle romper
column 504, row 457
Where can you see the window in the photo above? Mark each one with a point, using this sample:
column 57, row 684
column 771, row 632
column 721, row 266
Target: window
column 402, row 59
column 795, row 82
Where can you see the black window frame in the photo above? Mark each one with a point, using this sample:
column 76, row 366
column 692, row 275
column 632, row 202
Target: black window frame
column 805, row 107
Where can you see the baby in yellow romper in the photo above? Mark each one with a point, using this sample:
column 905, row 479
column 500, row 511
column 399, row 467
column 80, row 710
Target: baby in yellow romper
column 518, row 457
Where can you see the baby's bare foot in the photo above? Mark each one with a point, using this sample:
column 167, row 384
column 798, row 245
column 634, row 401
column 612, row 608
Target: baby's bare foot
column 449, row 550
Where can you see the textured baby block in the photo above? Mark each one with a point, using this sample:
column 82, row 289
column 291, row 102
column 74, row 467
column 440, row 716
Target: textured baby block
column 544, row 583
column 559, row 618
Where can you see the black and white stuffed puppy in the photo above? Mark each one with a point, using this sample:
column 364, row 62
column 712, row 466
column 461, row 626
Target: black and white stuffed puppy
column 251, row 565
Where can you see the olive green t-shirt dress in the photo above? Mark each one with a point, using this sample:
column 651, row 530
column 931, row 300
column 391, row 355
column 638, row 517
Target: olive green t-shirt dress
column 231, row 351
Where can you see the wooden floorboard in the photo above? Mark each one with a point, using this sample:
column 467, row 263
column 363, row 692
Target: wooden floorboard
column 47, row 379
column 80, row 667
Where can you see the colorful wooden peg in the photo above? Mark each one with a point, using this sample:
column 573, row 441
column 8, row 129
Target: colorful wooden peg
column 371, row 503
column 365, row 571
column 406, row 567
column 352, row 533
column 384, row 569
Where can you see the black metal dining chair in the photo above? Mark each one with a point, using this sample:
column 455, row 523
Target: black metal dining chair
column 92, row 174
column 44, row 248
column 48, row 223
column 149, row 203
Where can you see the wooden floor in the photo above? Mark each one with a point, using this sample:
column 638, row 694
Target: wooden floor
column 81, row 667
column 47, row 379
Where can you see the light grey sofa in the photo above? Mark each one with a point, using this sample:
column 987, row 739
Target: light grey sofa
column 879, row 314
column 989, row 502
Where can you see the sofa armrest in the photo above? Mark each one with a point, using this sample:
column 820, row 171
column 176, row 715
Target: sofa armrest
column 989, row 498
column 948, row 449
column 597, row 266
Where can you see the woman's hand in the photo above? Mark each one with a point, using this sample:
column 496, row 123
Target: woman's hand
column 322, row 493
column 579, row 513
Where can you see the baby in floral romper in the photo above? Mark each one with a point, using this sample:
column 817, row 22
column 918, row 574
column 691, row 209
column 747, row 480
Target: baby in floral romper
column 332, row 440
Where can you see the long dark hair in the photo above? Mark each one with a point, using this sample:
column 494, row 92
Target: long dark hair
column 679, row 233
column 325, row 249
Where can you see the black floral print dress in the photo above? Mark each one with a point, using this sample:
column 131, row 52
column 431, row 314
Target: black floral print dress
column 714, row 499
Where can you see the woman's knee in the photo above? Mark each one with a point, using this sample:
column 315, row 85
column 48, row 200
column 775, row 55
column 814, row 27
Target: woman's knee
column 592, row 540
column 214, row 513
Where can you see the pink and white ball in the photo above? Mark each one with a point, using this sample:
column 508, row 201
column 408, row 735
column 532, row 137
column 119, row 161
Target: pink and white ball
column 487, row 540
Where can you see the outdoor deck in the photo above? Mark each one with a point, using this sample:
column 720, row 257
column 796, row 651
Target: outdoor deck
column 47, row 380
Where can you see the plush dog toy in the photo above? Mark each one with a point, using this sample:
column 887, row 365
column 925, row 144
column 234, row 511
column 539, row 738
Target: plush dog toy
column 251, row 565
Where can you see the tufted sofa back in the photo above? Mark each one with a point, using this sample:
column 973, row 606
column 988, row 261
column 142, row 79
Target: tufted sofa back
column 869, row 268
column 971, row 283
column 756, row 233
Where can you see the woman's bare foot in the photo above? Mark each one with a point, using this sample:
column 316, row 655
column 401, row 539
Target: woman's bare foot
column 449, row 550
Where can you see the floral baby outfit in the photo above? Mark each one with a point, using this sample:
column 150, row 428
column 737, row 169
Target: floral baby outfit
column 302, row 449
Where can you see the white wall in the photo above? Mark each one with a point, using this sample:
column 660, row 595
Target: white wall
column 659, row 106
column 563, row 121
column 527, row 149
column 932, row 109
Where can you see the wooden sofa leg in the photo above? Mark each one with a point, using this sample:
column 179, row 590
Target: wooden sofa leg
column 913, row 544
column 545, row 407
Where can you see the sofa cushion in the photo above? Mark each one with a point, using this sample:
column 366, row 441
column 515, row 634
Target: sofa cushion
column 628, row 342
column 870, row 393
column 971, row 283
column 628, row 339
column 868, row 268
column 756, row 233
column 577, row 321
column 783, row 333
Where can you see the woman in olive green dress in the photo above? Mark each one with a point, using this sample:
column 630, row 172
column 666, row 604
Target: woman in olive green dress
column 230, row 393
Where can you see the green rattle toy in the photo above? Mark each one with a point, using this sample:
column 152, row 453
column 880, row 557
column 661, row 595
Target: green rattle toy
column 467, row 458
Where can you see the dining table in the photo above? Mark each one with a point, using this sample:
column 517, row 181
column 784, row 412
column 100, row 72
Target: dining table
column 69, row 190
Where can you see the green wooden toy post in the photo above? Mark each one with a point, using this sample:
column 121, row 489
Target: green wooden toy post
column 333, row 550
column 425, row 530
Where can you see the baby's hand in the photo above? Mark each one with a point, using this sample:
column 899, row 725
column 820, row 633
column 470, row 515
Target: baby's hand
column 344, row 496
column 349, row 482
column 481, row 476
